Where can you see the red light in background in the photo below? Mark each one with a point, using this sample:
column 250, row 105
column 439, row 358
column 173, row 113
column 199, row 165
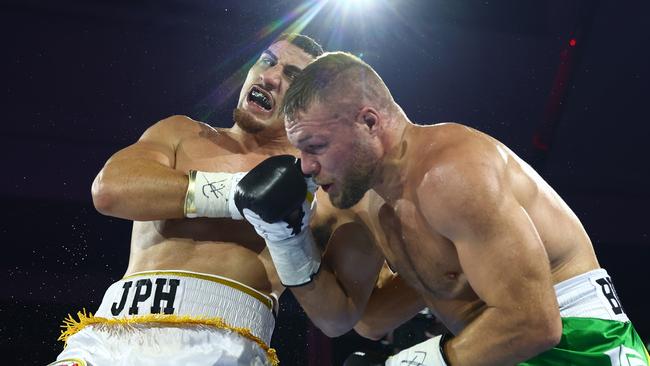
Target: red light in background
column 572, row 42
column 539, row 143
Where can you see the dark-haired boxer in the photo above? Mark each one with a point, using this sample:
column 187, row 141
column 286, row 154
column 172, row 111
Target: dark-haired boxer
column 494, row 252
column 200, row 285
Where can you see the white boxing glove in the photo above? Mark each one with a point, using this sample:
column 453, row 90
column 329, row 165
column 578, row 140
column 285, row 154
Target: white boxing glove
column 211, row 194
column 427, row 353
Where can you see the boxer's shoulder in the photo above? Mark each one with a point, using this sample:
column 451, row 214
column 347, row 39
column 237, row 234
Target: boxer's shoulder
column 465, row 169
column 452, row 151
column 200, row 135
column 172, row 130
column 185, row 127
column 180, row 123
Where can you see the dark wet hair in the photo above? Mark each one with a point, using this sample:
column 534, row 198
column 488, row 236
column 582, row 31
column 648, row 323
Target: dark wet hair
column 305, row 43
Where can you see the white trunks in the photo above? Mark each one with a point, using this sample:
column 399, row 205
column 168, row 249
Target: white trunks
column 173, row 318
column 590, row 295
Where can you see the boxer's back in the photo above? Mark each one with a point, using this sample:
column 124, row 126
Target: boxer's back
column 567, row 244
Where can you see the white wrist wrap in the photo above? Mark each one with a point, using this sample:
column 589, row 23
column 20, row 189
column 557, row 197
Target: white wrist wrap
column 426, row 353
column 212, row 195
column 297, row 259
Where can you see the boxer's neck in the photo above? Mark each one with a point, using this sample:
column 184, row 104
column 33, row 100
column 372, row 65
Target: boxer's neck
column 390, row 176
column 271, row 140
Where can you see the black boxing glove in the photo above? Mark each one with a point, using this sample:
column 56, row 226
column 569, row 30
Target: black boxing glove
column 278, row 201
column 273, row 189
column 365, row 358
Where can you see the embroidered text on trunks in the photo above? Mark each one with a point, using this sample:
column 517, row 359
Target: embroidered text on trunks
column 142, row 293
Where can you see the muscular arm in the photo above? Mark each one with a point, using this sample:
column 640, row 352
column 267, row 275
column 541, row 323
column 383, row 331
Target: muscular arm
column 501, row 253
column 338, row 294
column 391, row 304
column 139, row 182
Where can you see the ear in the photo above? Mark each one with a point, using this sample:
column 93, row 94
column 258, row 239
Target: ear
column 370, row 118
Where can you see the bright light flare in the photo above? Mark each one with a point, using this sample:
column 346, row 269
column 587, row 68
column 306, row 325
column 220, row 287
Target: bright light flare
column 331, row 19
column 355, row 5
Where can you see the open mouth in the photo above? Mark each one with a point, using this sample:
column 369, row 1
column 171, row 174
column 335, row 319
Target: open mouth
column 261, row 98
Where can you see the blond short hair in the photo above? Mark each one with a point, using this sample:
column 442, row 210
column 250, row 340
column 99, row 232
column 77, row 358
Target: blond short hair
column 336, row 77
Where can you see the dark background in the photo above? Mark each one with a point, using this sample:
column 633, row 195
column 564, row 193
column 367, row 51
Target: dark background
column 82, row 79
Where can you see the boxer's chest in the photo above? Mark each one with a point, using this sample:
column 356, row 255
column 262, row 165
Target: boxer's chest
column 214, row 154
column 210, row 156
column 425, row 259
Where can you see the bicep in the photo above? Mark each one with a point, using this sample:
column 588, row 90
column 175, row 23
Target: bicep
column 352, row 256
column 349, row 246
column 503, row 256
column 497, row 243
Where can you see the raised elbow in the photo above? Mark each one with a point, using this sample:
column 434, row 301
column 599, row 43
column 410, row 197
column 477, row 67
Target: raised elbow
column 336, row 325
column 369, row 332
column 334, row 330
column 550, row 334
column 543, row 334
column 103, row 194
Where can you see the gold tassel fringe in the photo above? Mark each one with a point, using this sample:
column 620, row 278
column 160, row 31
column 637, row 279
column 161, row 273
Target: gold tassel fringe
column 71, row 326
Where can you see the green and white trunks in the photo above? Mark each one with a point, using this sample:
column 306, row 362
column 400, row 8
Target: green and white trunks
column 595, row 329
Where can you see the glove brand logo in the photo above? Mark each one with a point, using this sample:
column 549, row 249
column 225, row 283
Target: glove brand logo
column 418, row 359
column 215, row 188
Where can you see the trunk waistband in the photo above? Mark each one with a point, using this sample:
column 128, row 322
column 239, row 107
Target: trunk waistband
column 590, row 295
column 190, row 295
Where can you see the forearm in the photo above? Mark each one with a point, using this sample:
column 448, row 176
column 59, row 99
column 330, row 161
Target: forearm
column 503, row 337
column 331, row 307
column 339, row 293
column 333, row 287
column 389, row 306
column 140, row 189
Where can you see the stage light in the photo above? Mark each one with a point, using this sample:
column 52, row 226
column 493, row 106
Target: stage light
column 358, row 4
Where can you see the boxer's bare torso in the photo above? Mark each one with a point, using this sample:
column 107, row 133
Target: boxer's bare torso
column 426, row 259
column 219, row 246
column 146, row 182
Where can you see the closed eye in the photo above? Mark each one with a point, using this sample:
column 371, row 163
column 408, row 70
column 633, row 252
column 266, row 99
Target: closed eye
column 315, row 149
column 291, row 72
